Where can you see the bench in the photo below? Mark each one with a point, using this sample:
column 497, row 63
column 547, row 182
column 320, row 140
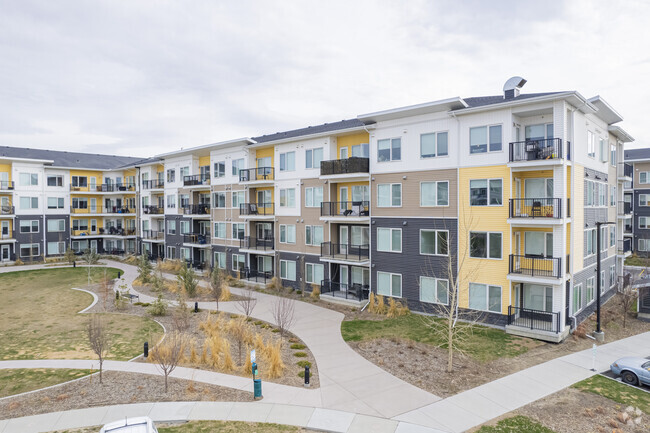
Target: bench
column 130, row 296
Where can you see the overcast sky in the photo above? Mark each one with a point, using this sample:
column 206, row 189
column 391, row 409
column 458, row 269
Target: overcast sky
column 145, row 77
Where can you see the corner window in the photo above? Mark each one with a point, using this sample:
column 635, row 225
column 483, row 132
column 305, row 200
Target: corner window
column 389, row 195
column 389, row 150
column 434, row 193
column 486, row 192
column 389, row 284
column 389, row 240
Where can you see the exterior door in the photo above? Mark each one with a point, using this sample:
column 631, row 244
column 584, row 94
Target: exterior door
column 4, row 226
column 93, row 245
column 517, row 248
column 93, row 205
column 343, row 239
column 343, row 277
column 344, row 153
column 93, row 184
column 5, row 253
column 343, row 205
column 518, row 195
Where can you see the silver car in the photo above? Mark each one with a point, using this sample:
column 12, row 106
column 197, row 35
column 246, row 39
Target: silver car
column 633, row 370
column 141, row 424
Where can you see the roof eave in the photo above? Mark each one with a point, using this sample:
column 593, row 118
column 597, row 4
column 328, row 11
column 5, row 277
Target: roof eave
column 576, row 98
column 442, row 105
column 255, row 145
column 621, row 134
column 609, row 115
column 191, row 150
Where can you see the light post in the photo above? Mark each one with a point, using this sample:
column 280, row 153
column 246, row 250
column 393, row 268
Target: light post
column 599, row 334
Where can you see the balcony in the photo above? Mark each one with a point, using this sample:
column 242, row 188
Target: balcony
column 627, row 229
column 153, row 235
column 103, row 210
column 153, row 210
column 153, row 184
column 536, row 150
column 118, row 188
column 624, row 246
column 355, row 292
column 345, row 209
column 535, row 266
column 624, row 209
column 345, row 166
column 7, row 210
column 108, row 231
column 257, row 174
column 257, row 209
column 259, row 244
column 624, row 172
column 536, row 208
column 344, row 252
column 255, row 275
column 197, row 180
column 6, row 185
column 527, row 319
column 197, row 238
column 196, row 209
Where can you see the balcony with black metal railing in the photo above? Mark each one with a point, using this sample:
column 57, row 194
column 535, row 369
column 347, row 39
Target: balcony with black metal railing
column 112, row 187
column 535, row 266
column 624, row 246
column 354, row 291
column 99, row 209
column 197, row 238
column 534, row 320
column 353, row 165
column 153, row 210
column 153, row 235
column 345, row 209
column 257, row 174
column 542, row 149
column 6, row 185
column 536, row 208
column 260, row 244
column 153, row 184
column 625, row 171
column 257, row 209
column 627, row 229
column 344, row 252
column 7, row 209
column 196, row 209
column 624, row 209
column 197, row 180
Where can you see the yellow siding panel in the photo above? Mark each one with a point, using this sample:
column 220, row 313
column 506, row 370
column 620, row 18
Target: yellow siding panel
column 578, row 218
column 349, row 141
column 204, row 160
column 6, row 168
column 349, row 186
column 264, row 153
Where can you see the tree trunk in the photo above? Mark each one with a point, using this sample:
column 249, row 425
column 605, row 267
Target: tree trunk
column 450, row 345
column 166, row 383
column 101, row 362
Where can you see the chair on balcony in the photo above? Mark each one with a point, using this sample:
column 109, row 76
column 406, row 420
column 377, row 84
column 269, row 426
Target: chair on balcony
column 536, row 210
column 357, row 208
column 252, row 209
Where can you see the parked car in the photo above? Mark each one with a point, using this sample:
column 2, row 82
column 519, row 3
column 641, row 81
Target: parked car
column 633, row 370
column 141, row 424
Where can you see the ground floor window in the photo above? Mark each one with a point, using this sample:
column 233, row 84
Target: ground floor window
column 238, row 262
column 220, row 260
column 314, row 273
column 171, row 252
column 590, row 289
column 577, row 298
column 389, row 284
column 185, row 254
column 30, row 250
column 54, row 248
column 485, row 297
column 612, row 275
column 434, row 290
column 80, row 246
column 288, row 270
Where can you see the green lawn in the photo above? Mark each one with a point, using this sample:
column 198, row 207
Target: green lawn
column 39, row 317
column 485, row 344
column 516, row 424
column 616, row 391
column 28, row 379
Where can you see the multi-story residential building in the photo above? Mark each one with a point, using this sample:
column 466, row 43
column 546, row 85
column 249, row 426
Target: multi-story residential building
column 636, row 196
column 498, row 196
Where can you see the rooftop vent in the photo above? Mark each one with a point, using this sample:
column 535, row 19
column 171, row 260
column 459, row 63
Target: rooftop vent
column 512, row 87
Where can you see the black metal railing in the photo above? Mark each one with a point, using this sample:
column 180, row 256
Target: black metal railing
column 355, row 291
column 153, row 210
column 196, row 264
column 627, row 229
column 257, row 208
column 624, row 208
column 624, row 245
column 536, row 149
column 99, row 209
column 535, row 208
column 624, row 169
column 196, row 209
column 196, row 179
column 153, row 184
column 197, row 238
column 354, row 164
column 6, row 185
column 7, row 210
column 345, row 251
column 345, row 208
column 534, row 319
column 255, row 275
column 535, row 266
column 117, row 231
column 113, row 251
column 104, row 187
column 259, row 173
column 252, row 243
column 153, row 234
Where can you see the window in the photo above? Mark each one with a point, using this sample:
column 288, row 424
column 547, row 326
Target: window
column 55, row 226
column 220, row 260
column 643, row 199
column 643, row 245
column 389, row 195
column 288, row 270
column 434, row 290
column 219, row 199
column 55, row 181
column 220, row 169
column 238, row 262
column 238, row 198
column 590, row 236
column 313, row 196
column 602, row 147
column 643, row 177
column 612, row 275
column 313, row 157
column 238, row 230
column 79, row 203
column 313, row 235
column 29, row 202
column 314, row 273
column 185, row 254
column 184, row 171
column 220, row 230
column 589, row 195
column 389, row 240
column 185, row 227
column 602, row 194
column 28, row 179
column 612, row 195
column 80, row 225
column 171, row 252
column 288, row 161
column 612, row 236
column 612, row 155
column 288, row 197
column 590, row 289
column 434, row 242
column 389, row 284
column 358, row 236
column 603, row 238
column 237, row 166
column 171, row 175
column 360, row 193
column 485, row 245
column 359, row 150
column 55, row 202
column 481, row 195
column 591, row 144
column 389, row 150
column 603, row 284
column 434, row 193
column 29, row 226
column 79, row 181
column 171, row 201
column 287, row 233
column 643, row 222
column 484, row 297
column 478, row 139
column 538, row 244
column 30, row 250
column 433, row 144
column 577, row 298
column 171, row 227
column 55, row 248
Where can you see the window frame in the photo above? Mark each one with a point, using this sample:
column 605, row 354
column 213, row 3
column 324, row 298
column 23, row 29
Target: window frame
column 435, row 281
column 489, row 191
column 216, row 256
column 58, row 182
column 390, row 141
column 309, row 159
column 313, row 266
column 287, row 196
column 219, row 169
column 31, row 247
column 487, row 245
column 390, row 198
column 437, row 200
column 487, row 297
column 436, row 246
column 285, row 228
column 285, row 161
column 488, row 141
column 436, row 144
column 286, row 264
column 216, row 228
column 390, row 290
column 313, row 196
column 391, row 246
column 311, row 229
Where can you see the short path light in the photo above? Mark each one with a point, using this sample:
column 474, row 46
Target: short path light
column 146, row 349
column 307, row 376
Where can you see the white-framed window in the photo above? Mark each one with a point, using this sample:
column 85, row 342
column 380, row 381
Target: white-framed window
column 313, row 235
column 28, row 179
column 219, row 199
column 644, row 177
column 171, row 227
column 288, row 197
column 434, row 242
column 602, row 147
column 29, row 226
column 360, row 193
column 80, row 225
column 238, row 197
column 644, row 244
column 434, row 290
column 603, row 238
column 577, row 298
column 389, row 195
column 171, row 252
column 612, row 275
column 389, row 284
column 288, row 270
column 184, row 171
column 602, row 194
column 485, row 245
column 79, row 203
column 288, row 161
column 238, row 230
column 220, row 230
column 612, row 195
column 238, row 262
column 313, row 196
column 314, row 273
column 434, row 193
column 591, row 283
column 313, row 157
column 612, row 154
column 55, row 226
column 54, row 180
column 30, row 250
column 644, row 222
column 360, row 150
column 589, row 194
column 185, row 227
column 54, row 248
column 389, row 149
column 220, row 169
column 171, row 201
column 485, row 138
column 590, row 237
column 644, row 199
column 220, row 259
column 603, row 282
column 171, row 176
column 359, row 236
column 55, row 202
column 237, row 166
column 486, row 192
column 434, row 144
column 612, row 236
column 186, row 253
column 389, row 240
column 591, row 144
column 287, row 233
column 29, row 202
column 485, row 297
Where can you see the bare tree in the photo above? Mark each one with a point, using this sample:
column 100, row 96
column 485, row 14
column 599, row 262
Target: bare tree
column 169, row 353
column 217, row 280
column 99, row 340
column 303, row 283
column 284, row 314
column 90, row 256
column 247, row 303
column 627, row 296
column 106, row 289
column 181, row 316
column 241, row 332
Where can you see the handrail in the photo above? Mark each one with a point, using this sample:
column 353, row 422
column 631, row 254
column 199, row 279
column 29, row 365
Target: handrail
column 254, row 174
column 99, row 209
column 535, row 266
column 536, row 149
column 535, row 208
column 253, row 243
column 345, row 208
column 353, row 164
column 257, row 208
column 6, row 184
column 534, row 319
column 196, row 209
column 153, row 184
column 196, row 179
column 344, row 251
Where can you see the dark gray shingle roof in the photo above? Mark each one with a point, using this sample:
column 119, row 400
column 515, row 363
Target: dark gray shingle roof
column 325, row 127
column 69, row 159
column 480, row 101
column 637, row 153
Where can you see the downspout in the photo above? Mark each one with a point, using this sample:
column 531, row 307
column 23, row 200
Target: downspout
column 369, row 224
column 458, row 206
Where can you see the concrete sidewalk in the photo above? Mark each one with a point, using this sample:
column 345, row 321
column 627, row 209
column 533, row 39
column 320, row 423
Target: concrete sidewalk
column 307, row 417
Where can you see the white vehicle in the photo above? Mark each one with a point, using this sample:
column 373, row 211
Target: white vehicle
column 141, row 424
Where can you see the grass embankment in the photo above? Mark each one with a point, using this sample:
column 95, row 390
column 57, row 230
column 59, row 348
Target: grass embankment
column 21, row 380
column 516, row 424
column 618, row 392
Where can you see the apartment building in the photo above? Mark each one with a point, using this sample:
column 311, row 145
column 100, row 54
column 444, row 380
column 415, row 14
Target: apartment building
column 636, row 195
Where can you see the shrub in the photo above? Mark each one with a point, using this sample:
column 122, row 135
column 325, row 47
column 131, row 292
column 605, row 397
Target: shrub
column 304, row 363
column 158, row 307
column 372, row 307
column 315, row 291
column 300, row 355
column 187, row 280
column 69, row 256
column 276, row 366
column 19, row 262
column 225, row 293
column 301, row 374
column 144, row 269
column 381, row 306
column 297, row 346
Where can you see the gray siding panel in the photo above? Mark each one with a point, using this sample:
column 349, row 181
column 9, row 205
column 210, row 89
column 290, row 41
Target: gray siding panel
column 581, row 278
column 29, row 238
